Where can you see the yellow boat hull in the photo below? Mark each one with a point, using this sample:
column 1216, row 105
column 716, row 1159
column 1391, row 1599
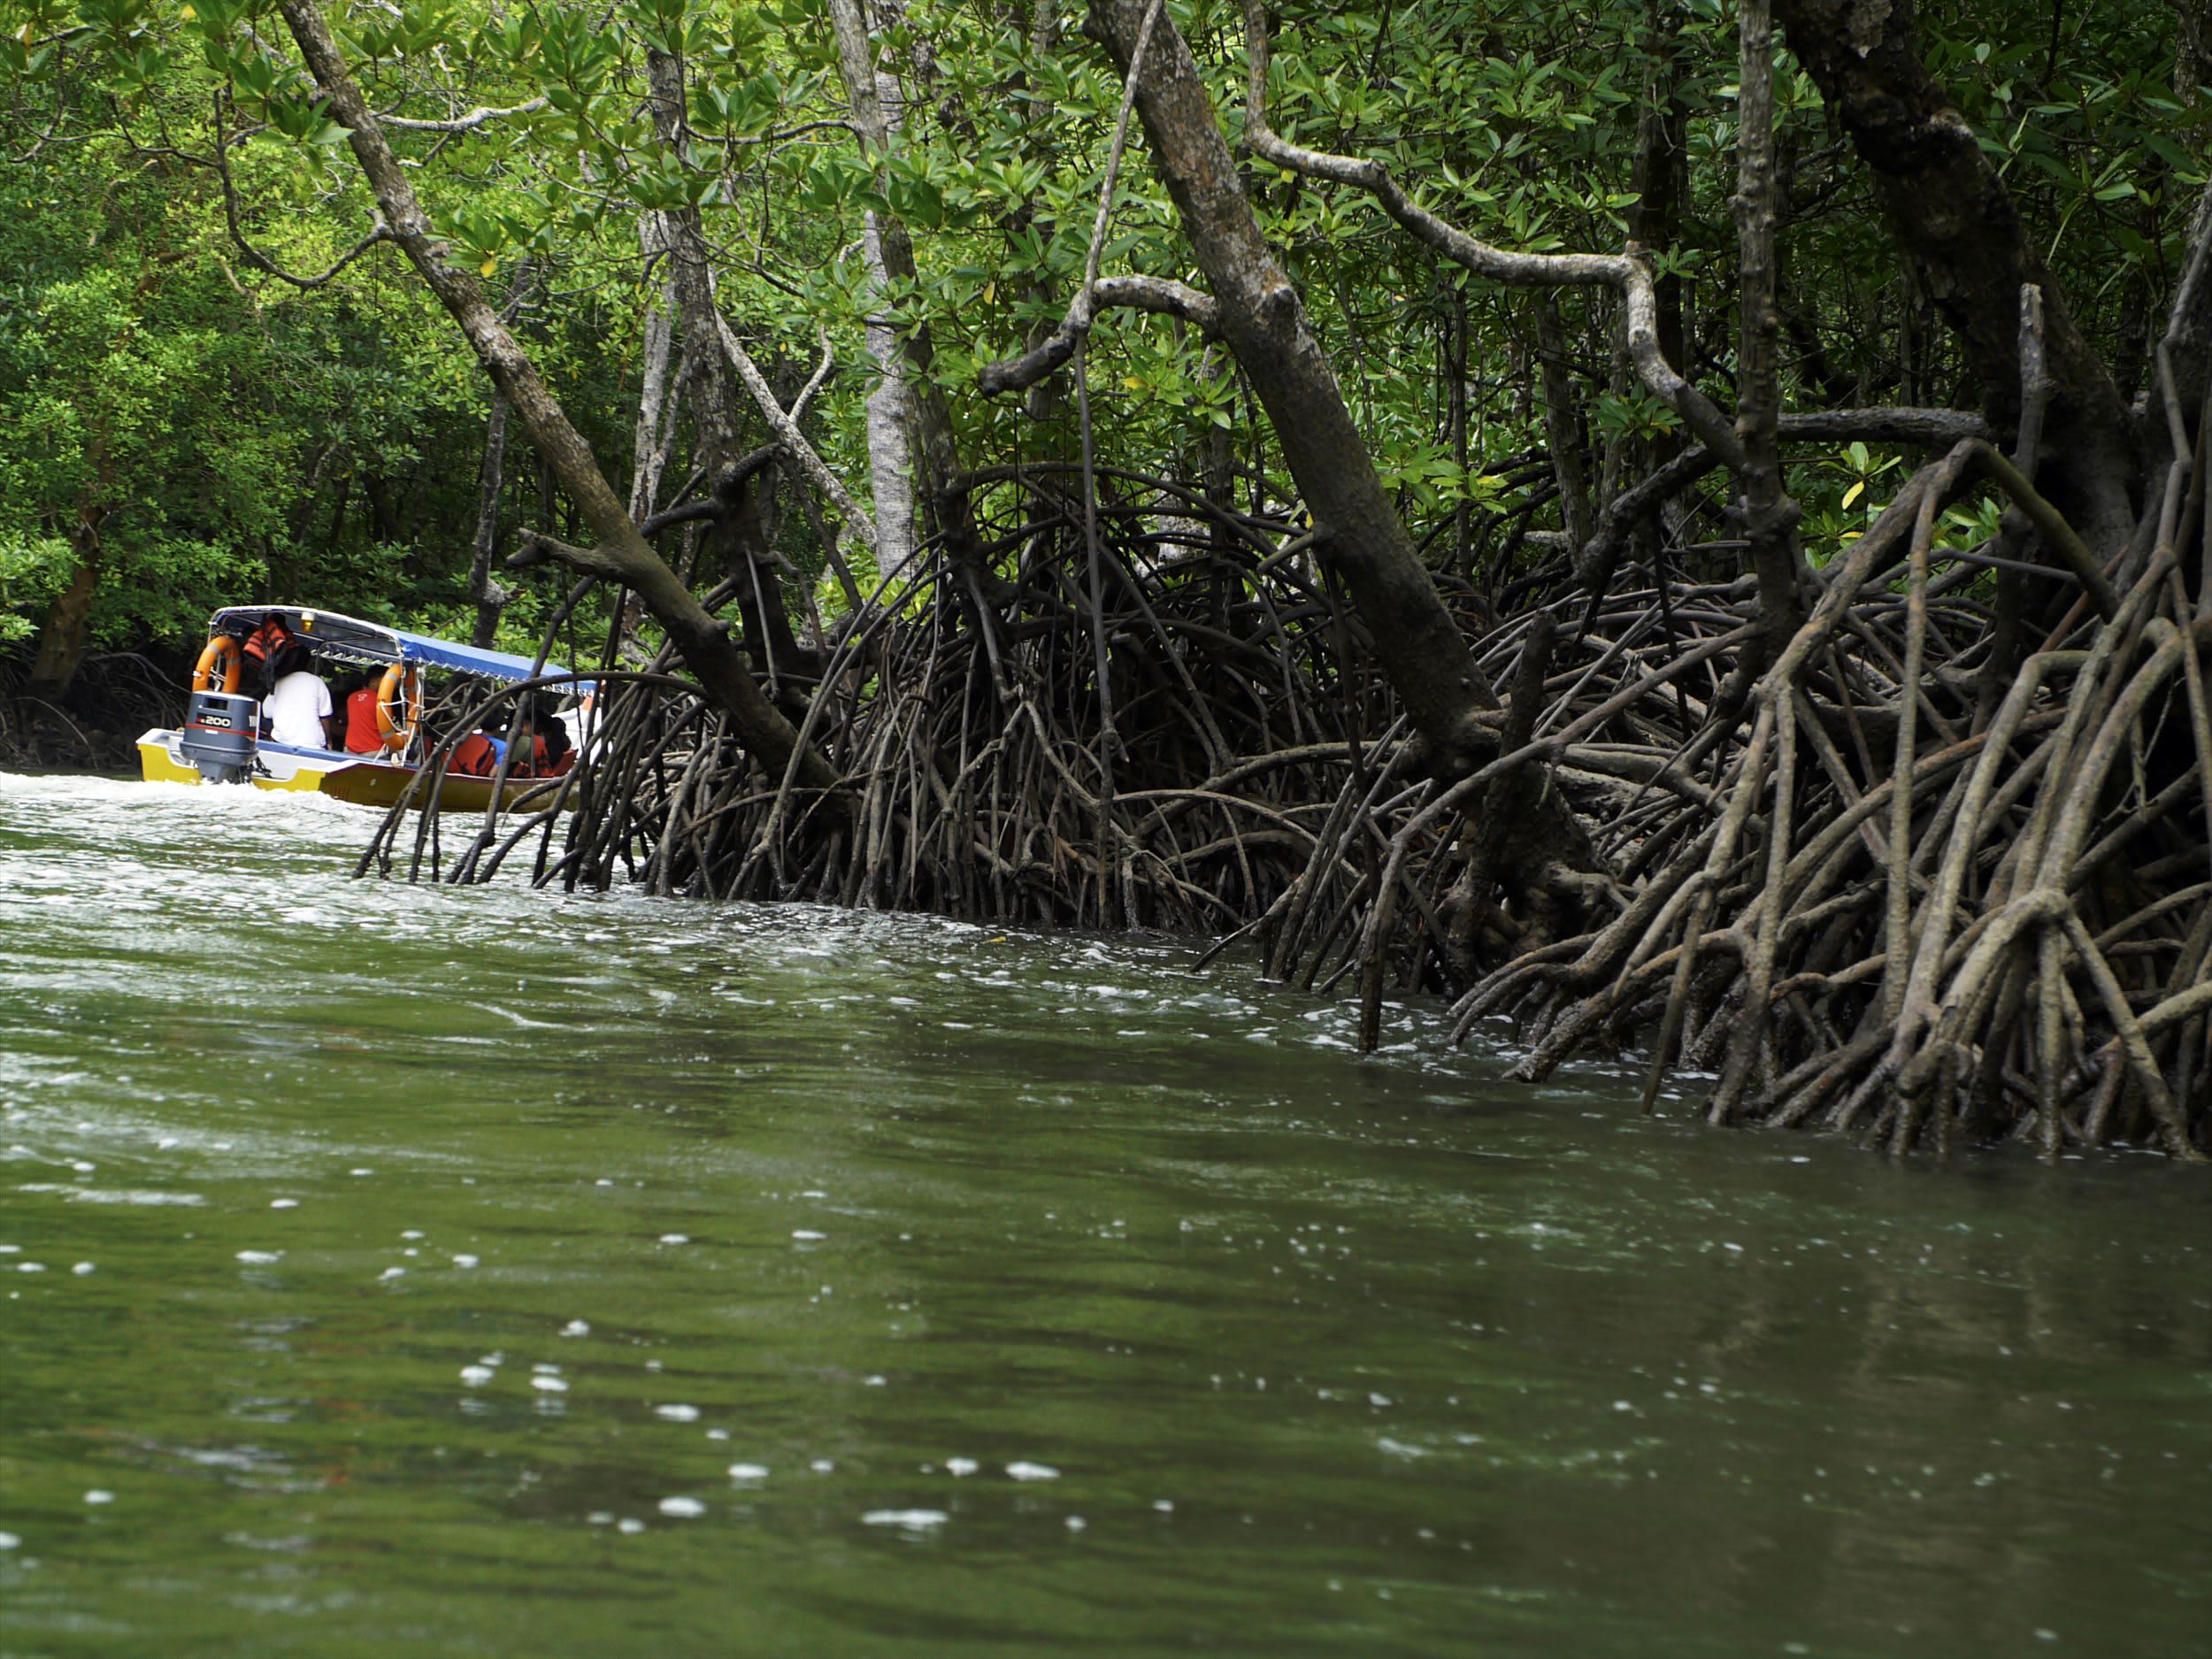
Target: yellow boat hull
column 348, row 778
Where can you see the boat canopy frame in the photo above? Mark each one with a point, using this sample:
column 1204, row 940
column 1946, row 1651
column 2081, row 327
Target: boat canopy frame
column 325, row 633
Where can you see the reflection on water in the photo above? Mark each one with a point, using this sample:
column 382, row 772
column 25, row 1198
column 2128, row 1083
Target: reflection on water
column 389, row 1269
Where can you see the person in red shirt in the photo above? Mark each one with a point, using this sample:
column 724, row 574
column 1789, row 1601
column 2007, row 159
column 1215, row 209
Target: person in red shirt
column 362, row 737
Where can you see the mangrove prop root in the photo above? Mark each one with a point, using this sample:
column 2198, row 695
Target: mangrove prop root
column 1877, row 876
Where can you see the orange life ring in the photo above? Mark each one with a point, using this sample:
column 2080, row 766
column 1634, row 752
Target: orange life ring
column 219, row 666
column 400, row 691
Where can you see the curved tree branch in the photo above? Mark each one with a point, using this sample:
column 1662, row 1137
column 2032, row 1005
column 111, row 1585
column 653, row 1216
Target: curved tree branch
column 1625, row 272
column 1158, row 295
column 478, row 116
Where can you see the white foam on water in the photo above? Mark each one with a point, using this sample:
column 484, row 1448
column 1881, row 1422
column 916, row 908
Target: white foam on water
column 677, row 1414
column 83, row 1269
column 821, row 1465
column 1165, row 1506
column 807, row 1235
column 576, row 1327
column 414, row 1232
column 30, row 1267
column 1076, row 1523
column 466, row 1261
column 98, row 1496
column 675, row 1238
column 749, row 1471
column 477, row 1376
column 960, row 1466
column 1033, row 1471
column 260, row 1258
column 550, row 1385
column 911, row 1520
column 683, row 1508
column 284, row 1203
column 392, row 1272
column 9, row 1540
column 628, row 1523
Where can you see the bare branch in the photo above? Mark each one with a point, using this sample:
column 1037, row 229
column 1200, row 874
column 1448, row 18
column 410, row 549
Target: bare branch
column 254, row 256
column 1144, row 293
column 1625, row 272
column 1157, row 295
column 2059, row 535
column 785, row 427
column 1934, row 427
column 478, row 116
column 538, row 548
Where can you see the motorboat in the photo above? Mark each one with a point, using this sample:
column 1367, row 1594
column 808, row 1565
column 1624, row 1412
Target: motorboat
column 222, row 739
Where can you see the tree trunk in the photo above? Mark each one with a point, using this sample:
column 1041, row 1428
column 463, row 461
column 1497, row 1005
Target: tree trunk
column 650, row 437
column 937, row 469
column 63, row 636
column 1952, row 216
column 621, row 553
column 490, row 597
column 1265, row 323
column 890, row 407
column 1563, row 422
column 1770, row 517
column 889, row 426
column 718, row 407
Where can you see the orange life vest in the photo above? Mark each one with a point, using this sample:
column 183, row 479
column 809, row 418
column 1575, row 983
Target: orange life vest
column 477, row 755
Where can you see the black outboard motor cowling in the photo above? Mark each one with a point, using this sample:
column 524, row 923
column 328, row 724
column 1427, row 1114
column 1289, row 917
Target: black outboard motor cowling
column 220, row 735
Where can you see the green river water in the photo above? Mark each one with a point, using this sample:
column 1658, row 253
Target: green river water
column 387, row 1271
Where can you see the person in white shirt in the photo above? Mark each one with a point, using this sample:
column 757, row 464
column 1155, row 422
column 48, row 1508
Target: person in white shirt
column 582, row 721
column 298, row 710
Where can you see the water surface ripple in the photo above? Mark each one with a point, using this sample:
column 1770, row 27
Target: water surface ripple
column 389, row 1269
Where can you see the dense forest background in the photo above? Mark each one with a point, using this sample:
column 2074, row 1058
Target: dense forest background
column 1510, row 498
column 187, row 428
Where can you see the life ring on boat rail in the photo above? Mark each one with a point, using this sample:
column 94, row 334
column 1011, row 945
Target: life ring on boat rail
column 399, row 693
column 220, row 664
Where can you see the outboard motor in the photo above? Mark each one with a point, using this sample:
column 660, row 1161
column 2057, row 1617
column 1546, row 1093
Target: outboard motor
column 220, row 735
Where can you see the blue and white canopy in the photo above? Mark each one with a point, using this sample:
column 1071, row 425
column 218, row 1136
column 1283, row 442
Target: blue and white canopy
column 349, row 639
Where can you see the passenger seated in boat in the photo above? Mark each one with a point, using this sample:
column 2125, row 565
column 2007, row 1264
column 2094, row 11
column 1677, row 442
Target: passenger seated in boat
column 550, row 753
column 479, row 753
column 267, row 654
column 362, row 736
column 298, row 707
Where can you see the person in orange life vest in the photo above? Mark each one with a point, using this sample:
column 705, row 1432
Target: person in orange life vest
column 264, row 652
column 362, row 737
column 549, row 754
column 478, row 754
